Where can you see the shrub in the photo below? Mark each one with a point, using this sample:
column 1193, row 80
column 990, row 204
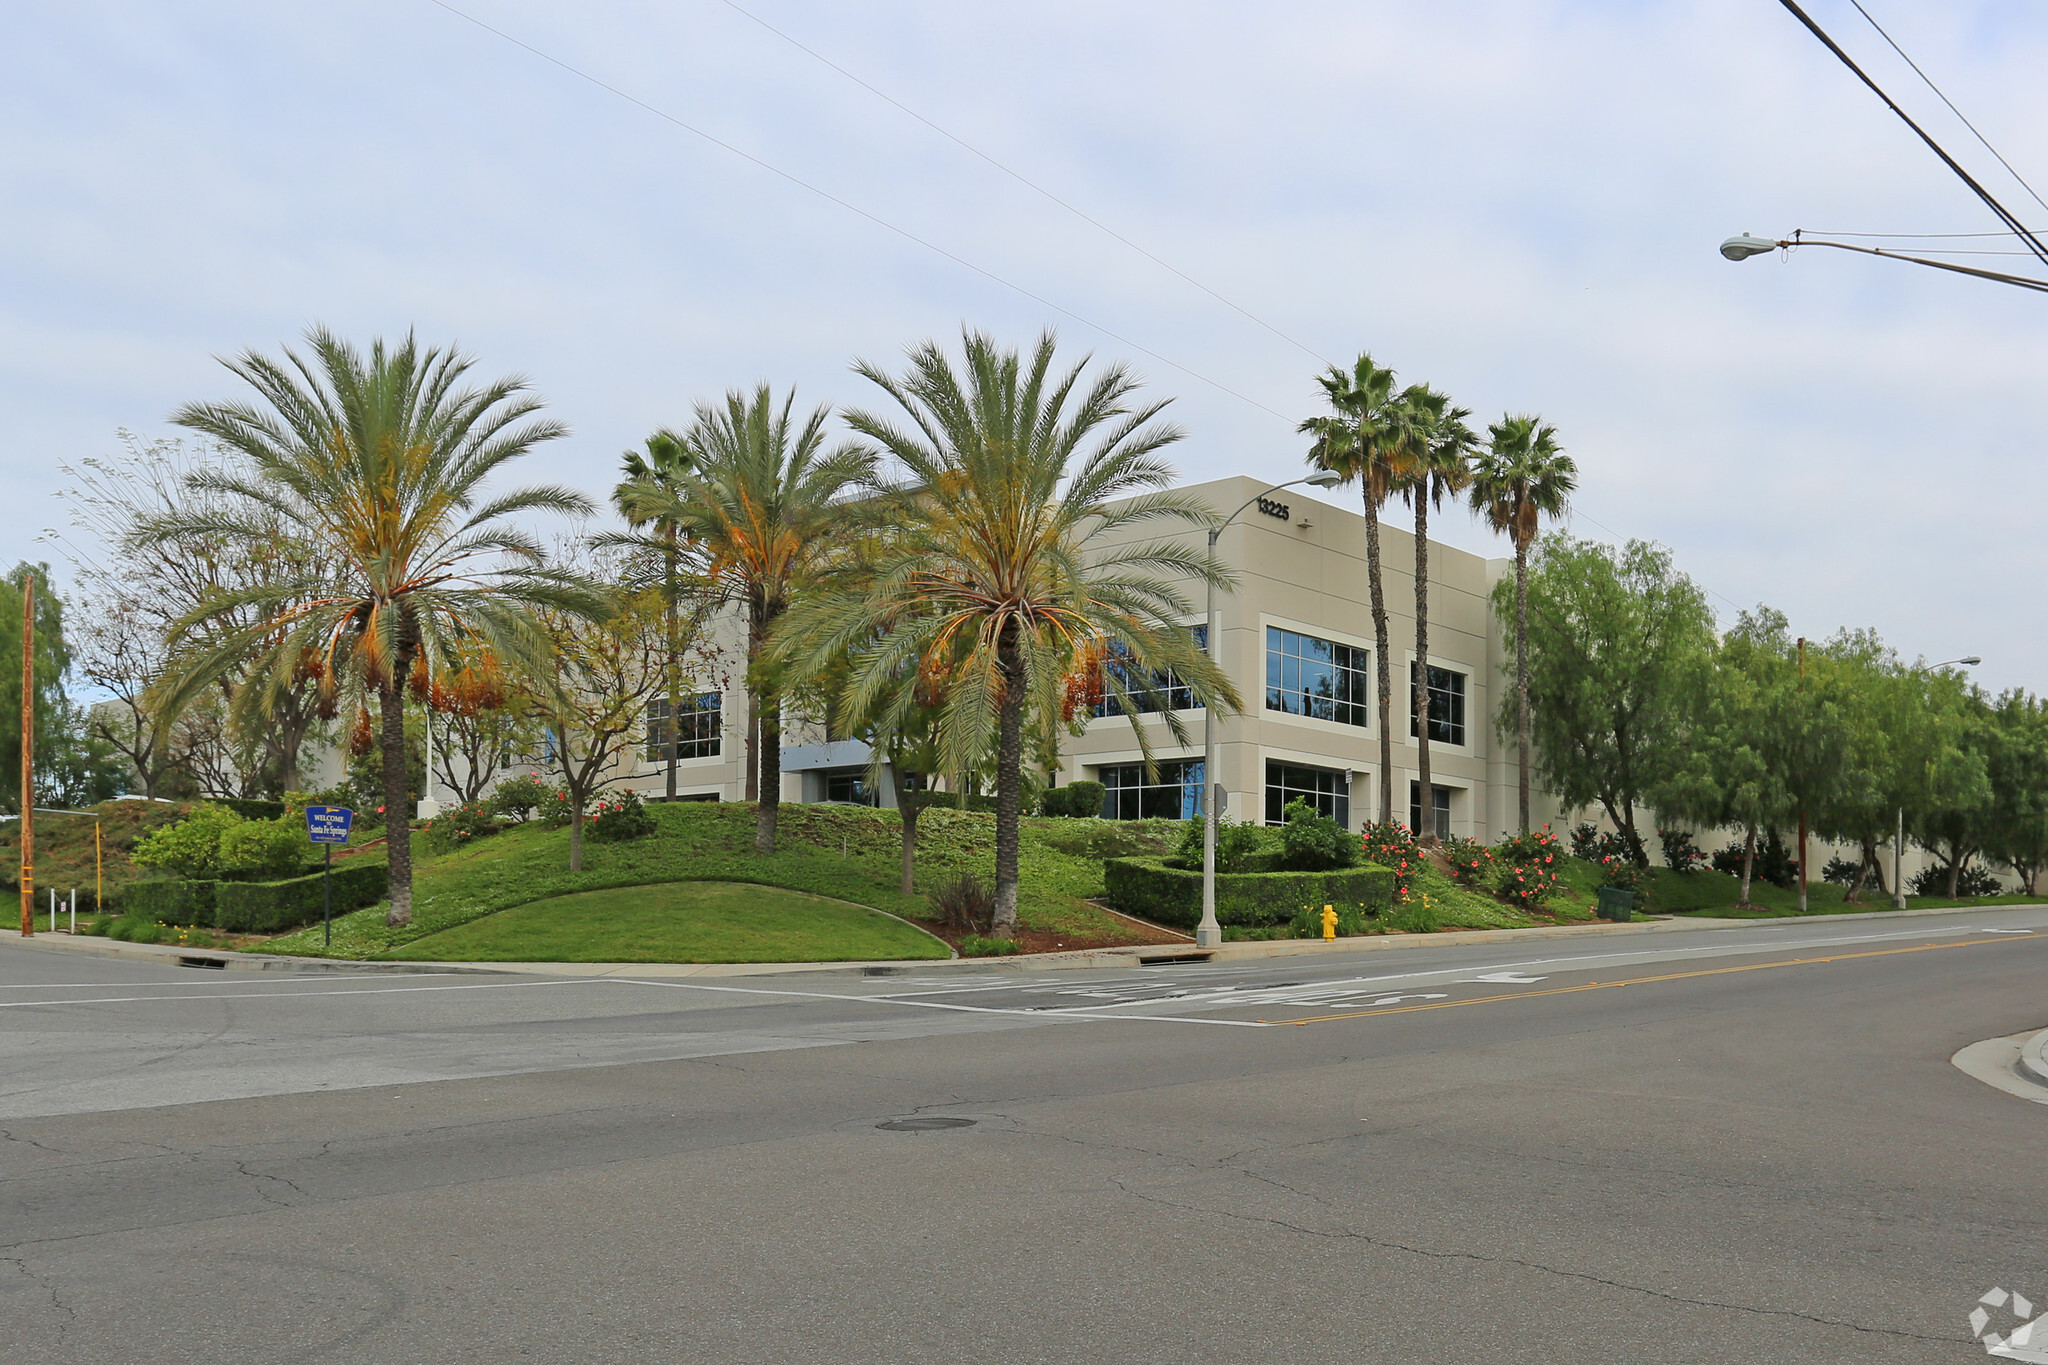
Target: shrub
column 1392, row 845
column 1159, row 890
column 1595, row 845
column 554, row 808
column 274, row 907
column 1932, row 880
column 253, row 810
column 97, row 926
column 1841, row 871
column 975, row 945
column 1526, row 868
column 1620, row 871
column 1774, row 862
column 171, row 901
column 1312, row 842
column 518, row 797
column 190, row 848
column 618, row 816
column 1471, row 861
column 461, row 824
column 1681, row 854
column 135, row 929
column 1076, row 799
column 964, row 902
column 261, row 849
column 1239, row 844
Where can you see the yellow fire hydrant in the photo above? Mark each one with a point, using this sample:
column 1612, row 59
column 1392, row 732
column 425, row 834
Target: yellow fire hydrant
column 1329, row 925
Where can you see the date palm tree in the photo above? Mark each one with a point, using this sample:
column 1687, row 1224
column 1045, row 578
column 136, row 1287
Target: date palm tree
column 381, row 461
column 1007, row 558
column 1438, row 446
column 663, row 464
column 754, row 506
column 1362, row 439
column 1522, row 477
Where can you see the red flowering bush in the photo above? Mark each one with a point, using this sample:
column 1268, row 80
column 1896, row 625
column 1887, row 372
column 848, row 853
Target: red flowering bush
column 1527, row 866
column 618, row 815
column 1471, row 861
column 1392, row 845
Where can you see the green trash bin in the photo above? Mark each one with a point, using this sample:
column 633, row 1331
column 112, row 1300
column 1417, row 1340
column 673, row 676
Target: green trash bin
column 1616, row 904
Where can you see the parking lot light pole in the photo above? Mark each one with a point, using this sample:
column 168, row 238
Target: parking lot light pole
column 1899, row 839
column 1209, row 933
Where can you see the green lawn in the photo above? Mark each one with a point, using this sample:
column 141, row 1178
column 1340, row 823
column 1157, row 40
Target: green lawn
column 845, row 852
column 680, row 922
column 1713, row 894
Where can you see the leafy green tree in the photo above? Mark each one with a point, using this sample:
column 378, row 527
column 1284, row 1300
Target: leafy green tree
column 1950, row 814
column 72, row 766
column 1005, row 557
column 1720, row 779
column 382, row 460
column 1439, row 465
column 1617, row 643
column 1522, row 477
column 2016, row 821
column 1363, row 438
column 754, row 505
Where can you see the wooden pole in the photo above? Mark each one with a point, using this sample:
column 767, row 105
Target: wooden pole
column 28, row 755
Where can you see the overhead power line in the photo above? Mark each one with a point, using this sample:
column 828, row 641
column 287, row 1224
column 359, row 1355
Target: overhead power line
column 1945, row 100
column 857, row 210
column 1026, row 181
column 2004, row 215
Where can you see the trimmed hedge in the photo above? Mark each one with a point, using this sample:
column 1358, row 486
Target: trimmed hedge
column 273, row 907
column 1154, row 889
column 250, row 809
column 256, row 907
column 170, row 900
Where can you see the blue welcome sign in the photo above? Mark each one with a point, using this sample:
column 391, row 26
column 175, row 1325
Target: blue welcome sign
column 329, row 824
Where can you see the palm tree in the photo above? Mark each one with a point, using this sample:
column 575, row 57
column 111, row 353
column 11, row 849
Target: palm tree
column 666, row 460
column 1522, row 477
column 1014, row 475
column 1359, row 439
column 1438, row 448
column 381, row 460
column 754, row 509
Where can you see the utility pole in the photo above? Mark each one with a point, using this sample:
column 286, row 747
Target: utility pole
column 1802, row 799
column 28, row 755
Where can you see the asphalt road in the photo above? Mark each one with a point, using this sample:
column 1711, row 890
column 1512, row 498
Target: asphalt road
column 1730, row 1145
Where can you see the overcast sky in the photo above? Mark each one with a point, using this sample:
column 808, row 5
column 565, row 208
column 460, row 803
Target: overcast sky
column 1516, row 202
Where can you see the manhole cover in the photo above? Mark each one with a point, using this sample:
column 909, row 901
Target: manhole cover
column 923, row 1125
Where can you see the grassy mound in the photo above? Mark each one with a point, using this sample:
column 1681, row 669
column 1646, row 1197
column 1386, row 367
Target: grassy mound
column 848, row 853
column 64, row 853
column 681, row 922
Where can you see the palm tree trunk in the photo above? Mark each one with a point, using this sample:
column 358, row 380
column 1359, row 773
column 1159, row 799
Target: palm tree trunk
column 909, row 806
column 1009, row 786
column 1522, row 677
column 1381, row 644
column 397, row 824
column 1419, row 680
column 674, row 720
column 766, row 703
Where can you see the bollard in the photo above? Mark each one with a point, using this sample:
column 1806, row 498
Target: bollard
column 1329, row 924
column 53, row 909
column 74, row 910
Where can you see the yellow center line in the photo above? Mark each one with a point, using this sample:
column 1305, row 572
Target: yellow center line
column 1636, row 981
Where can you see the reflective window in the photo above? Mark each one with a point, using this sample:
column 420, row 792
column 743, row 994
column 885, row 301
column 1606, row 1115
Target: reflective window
column 1446, row 706
column 1176, row 794
column 1441, row 804
column 850, row 785
column 699, row 721
column 1161, row 691
column 1329, row 791
column 1306, row 676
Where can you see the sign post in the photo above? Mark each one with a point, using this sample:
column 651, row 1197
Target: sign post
column 328, row 826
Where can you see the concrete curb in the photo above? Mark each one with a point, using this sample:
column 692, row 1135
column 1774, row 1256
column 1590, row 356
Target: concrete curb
column 1096, row 959
column 2033, row 1063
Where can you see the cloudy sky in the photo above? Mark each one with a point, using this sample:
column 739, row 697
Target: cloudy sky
column 1517, row 202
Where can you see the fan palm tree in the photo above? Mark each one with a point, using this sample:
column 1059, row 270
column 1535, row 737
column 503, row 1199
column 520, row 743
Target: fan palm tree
column 1438, row 446
column 1522, row 477
column 1006, row 558
column 666, row 460
column 754, row 505
column 1361, row 439
column 381, row 461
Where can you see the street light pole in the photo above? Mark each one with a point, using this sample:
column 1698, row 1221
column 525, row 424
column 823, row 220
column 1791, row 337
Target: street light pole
column 1209, row 933
column 1745, row 246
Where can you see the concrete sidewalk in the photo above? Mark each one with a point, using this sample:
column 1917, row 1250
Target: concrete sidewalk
column 1092, row 959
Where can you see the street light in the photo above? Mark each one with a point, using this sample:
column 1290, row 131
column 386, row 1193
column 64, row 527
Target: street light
column 1899, row 838
column 1745, row 246
column 1209, row 933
